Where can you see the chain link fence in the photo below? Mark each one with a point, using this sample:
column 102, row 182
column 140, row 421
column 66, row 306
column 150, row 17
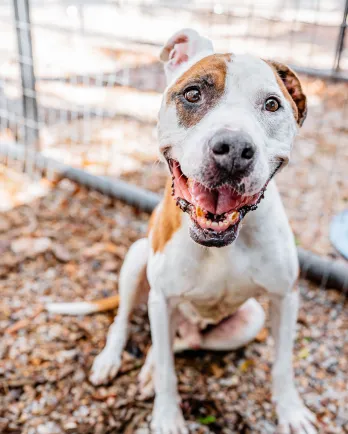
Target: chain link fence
column 81, row 83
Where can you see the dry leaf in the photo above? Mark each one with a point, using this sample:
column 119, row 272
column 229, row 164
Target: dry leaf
column 244, row 366
column 217, row 371
column 31, row 247
column 263, row 335
column 304, row 353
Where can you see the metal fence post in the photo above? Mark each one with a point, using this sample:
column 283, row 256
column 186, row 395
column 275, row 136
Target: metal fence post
column 340, row 40
column 25, row 54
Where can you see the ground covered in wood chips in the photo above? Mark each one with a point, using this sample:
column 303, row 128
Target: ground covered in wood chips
column 69, row 245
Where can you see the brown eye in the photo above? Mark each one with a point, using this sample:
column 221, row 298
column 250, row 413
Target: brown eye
column 192, row 95
column 272, row 105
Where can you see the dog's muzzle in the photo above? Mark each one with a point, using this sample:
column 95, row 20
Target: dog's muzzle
column 216, row 213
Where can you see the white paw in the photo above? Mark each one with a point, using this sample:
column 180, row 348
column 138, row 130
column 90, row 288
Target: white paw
column 105, row 367
column 167, row 417
column 296, row 419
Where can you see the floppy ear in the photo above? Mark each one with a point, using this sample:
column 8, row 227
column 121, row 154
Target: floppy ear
column 181, row 48
column 293, row 87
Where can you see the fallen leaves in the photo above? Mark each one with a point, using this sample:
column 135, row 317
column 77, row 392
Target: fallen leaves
column 217, row 370
column 14, row 328
column 262, row 335
column 245, row 365
column 303, row 353
column 98, row 248
column 207, row 420
column 30, row 247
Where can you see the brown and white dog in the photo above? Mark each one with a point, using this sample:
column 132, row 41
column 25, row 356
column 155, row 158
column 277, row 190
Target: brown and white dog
column 226, row 125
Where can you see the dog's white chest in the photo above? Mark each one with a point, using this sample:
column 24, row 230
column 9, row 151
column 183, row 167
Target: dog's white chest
column 208, row 286
column 220, row 289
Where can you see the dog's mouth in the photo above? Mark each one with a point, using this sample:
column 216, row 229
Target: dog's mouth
column 216, row 213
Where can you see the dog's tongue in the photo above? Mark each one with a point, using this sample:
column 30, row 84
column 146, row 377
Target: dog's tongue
column 217, row 201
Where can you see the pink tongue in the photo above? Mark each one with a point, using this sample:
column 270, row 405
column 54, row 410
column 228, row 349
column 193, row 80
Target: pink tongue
column 217, row 201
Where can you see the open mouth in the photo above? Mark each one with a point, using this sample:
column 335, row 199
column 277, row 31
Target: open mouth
column 216, row 213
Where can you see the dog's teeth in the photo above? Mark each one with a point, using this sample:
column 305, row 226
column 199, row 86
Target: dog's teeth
column 208, row 222
column 221, row 224
column 215, row 225
column 199, row 211
column 234, row 217
column 225, row 223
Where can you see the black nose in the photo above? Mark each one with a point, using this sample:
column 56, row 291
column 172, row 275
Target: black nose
column 233, row 150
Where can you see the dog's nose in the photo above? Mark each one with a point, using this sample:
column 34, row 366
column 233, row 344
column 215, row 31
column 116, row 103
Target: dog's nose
column 233, row 150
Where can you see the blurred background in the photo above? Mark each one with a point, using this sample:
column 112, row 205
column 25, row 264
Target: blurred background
column 80, row 88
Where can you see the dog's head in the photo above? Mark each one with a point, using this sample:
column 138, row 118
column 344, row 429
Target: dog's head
column 226, row 125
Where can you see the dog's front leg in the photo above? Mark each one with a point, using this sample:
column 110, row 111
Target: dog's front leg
column 167, row 416
column 293, row 416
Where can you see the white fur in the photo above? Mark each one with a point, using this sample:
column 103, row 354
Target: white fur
column 77, row 308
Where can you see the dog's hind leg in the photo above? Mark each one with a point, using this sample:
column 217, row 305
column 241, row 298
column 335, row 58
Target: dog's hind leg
column 237, row 330
column 131, row 289
column 232, row 333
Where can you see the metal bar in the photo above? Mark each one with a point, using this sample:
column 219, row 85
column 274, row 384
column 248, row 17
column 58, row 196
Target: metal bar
column 327, row 74
column 30, row 111
column 331, row 274
column 340, row 40
column 135, row 196
column 326, row 272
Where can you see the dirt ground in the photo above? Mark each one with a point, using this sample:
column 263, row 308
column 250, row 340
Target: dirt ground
column 69, row 245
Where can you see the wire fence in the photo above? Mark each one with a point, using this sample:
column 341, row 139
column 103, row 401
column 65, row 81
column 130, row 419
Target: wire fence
column 81, row 83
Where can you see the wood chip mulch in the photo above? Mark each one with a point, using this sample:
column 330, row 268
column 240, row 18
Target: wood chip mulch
column 69, row 245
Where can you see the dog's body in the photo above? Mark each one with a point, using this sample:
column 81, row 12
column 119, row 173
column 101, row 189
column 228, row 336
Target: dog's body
column 209, row 117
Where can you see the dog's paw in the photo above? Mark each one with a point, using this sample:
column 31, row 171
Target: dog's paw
column 167, row 417
column 105, row 367
column 296, row 419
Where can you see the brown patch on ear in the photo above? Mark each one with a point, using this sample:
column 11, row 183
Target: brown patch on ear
column 292, row 89
column 165, row 221
column 210, row 75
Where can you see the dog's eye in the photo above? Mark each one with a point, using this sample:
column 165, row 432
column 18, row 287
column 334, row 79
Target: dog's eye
column 192, row 95
column 271, row 105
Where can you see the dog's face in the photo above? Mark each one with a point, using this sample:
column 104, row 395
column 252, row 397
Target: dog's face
column 226, row 125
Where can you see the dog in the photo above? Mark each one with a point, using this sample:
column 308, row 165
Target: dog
column 220, row 237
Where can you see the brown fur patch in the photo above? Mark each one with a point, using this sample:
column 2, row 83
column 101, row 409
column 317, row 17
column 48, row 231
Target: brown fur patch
column 109, row 303
column 152, row 221
column 290, row 85
column 165, row 221
column 209, row 74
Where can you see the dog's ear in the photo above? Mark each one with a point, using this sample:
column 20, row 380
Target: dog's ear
column 182, row 47
column 293, row 87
